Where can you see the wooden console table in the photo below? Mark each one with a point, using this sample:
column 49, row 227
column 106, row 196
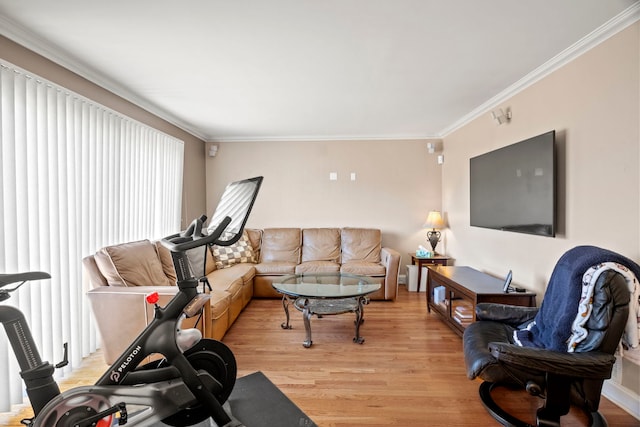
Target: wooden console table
column 460, row 289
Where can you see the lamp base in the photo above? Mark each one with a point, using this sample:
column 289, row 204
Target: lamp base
column 434, row 238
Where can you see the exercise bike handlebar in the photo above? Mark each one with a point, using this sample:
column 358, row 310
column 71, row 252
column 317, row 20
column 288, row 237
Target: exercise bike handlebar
column 193, row 237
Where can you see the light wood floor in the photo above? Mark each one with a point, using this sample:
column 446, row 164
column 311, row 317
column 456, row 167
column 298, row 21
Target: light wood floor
column 409, row 371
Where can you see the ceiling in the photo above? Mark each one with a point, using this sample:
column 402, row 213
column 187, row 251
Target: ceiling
column 313, row 69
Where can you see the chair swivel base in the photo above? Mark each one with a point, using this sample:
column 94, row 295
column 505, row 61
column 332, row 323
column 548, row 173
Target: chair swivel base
column 596, row 419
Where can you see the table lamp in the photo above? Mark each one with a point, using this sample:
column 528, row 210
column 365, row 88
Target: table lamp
column 434, row 221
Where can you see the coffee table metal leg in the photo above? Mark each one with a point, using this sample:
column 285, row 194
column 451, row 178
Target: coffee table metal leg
column 285, row 305
column 306, row 315
column 359, row 310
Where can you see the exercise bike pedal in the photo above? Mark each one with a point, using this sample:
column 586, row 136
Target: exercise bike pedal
column 120, row 408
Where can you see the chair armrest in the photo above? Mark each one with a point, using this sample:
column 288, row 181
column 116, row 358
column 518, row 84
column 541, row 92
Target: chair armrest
column 593, row 365
column 513, row 315
column 390, row 259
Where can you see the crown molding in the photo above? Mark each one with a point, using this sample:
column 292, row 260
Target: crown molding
column 318, row 138
column 599, row 35
column 30, row 41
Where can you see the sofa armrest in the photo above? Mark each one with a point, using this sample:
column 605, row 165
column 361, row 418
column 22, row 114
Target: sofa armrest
column 390, row 259
column 121, row 313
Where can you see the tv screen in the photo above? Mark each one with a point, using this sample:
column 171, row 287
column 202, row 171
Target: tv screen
column 513, row 188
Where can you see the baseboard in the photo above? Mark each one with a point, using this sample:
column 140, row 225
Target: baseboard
column 623, row 397
column 402, row 279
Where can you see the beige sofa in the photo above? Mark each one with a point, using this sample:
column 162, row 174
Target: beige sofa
column 121, row 276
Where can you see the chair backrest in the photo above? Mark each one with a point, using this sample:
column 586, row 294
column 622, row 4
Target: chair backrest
column 561, row 302
column 609, row 314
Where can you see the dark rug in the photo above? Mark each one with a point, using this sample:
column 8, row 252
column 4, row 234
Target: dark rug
column 256, row 402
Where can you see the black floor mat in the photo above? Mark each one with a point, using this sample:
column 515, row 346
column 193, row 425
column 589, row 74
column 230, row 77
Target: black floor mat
column 257, row 402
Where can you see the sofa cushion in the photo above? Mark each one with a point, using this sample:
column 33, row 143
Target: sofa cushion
column 239, row 252
column 321, row 244
column 92, row 272
column 363, row 268
column 197, row 257
column 361, row 244
column 210, row 262
column 246, row 271
column 317, row 267
column 167, row 261
column 132, row 264
column 255, row 237
column 280, row 245
column 226, row 280
column 269, row 268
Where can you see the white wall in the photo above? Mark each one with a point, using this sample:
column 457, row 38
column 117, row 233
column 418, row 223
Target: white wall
column 593, row 103
column 397, row 183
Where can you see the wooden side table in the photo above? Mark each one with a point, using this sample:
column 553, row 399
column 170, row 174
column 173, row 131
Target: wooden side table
column 427, row 261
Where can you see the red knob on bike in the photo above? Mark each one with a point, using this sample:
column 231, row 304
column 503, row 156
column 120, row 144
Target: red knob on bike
column 152, row 298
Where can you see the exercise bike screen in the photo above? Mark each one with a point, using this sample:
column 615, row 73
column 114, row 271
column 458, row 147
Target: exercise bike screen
column 236, row 202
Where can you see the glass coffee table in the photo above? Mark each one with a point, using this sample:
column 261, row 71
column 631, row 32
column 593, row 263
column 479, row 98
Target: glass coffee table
column 326, row 294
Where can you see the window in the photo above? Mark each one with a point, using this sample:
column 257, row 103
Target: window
column 75, row 176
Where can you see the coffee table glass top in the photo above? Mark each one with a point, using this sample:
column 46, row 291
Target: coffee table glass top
column 326, row 293
column 327, row 285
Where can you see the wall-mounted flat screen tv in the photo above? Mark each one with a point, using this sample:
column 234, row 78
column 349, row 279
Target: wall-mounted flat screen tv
column 514, row 188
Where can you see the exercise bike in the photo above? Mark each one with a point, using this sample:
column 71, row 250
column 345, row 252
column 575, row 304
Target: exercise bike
column 188, row 385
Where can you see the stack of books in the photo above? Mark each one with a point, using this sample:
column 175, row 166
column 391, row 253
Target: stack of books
column 463, row 314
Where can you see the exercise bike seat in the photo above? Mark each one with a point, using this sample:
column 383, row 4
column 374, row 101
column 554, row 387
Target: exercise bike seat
column 6, row 279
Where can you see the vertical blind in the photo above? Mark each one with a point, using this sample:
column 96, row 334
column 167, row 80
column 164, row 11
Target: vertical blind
column 75, row 176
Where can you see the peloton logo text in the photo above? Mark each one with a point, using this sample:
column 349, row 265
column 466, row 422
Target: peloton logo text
column 115, row 375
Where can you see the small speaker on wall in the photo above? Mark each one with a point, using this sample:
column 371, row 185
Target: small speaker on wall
column 213, row 150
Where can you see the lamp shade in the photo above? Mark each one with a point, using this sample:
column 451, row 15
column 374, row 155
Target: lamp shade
column 434, row 220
